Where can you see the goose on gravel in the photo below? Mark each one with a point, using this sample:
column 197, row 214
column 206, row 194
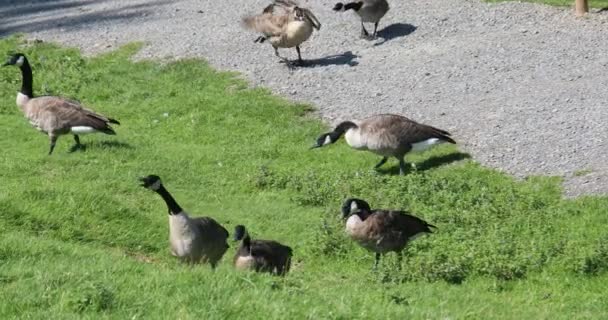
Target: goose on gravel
column 261, row 255
column 379, row 230
column 193, row 240
column 56, row 116
column 388, row 135
column 285, row 25
column 370, row 11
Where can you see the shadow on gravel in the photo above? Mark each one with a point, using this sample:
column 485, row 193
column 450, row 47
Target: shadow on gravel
column 346, row 58
column 430, row 163
column 395, row 30
column 16, row 16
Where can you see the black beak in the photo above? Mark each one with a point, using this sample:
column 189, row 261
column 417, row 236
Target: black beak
column 345, row 211
column 143, row 181
column 6, row 64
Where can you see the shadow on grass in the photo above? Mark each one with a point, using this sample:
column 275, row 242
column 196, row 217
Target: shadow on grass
column 429, row 163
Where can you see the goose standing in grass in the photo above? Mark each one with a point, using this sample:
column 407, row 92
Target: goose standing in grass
column 368, row 10
column 388, row 135
column 285, row 25
column 56, row 116
column 193, row 240
column 379, row 230
column 261, row 255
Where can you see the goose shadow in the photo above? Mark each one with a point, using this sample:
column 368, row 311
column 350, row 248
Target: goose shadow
column 102, row 145
column 346, row 58
column 395, row 30
column 429, row 163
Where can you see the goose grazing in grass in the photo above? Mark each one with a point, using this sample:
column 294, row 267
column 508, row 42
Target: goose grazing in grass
column 388, row 135
column 285, row 25
column 379, row 230
column 261, row 255
column 370, row 11
column 193, row 240
column 56, row 116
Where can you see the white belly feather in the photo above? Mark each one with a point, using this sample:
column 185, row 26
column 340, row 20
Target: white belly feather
column 423, row 145
column 355, row 140
column 82, row 130
column 181, row 234
column 22, row 99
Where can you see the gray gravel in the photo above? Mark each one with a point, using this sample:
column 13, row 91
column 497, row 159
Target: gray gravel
column 523, row 87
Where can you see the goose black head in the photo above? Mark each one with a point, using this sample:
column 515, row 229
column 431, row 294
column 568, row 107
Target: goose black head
column 151, row 182
column 298, row 14
column 17, row 59
column 326, row 138
column 239, row 232
column 353, row 205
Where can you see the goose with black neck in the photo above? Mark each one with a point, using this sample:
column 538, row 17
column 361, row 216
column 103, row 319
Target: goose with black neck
column 56, row 116
column 388, row 135
column 193, row 240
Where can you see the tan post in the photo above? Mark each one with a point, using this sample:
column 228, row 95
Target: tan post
column 581, row 7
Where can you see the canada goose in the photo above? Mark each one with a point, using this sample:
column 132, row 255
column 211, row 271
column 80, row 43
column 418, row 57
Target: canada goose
column 56, row 116
column 284, row 28
column 368, row 10
column 381, row 231
column 388, row 135
column 261, row 255
column 193, row 240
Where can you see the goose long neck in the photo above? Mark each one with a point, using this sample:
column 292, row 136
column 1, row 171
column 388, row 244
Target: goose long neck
column 363, row 214
column 344, row 126
column 247, row 242
column 172, row 205
column 27, row 79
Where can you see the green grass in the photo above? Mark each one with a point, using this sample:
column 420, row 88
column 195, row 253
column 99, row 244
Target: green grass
column 81, row 238
column 562, row 3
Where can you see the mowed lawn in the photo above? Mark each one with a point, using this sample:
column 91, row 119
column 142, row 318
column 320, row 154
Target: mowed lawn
column 81, row 238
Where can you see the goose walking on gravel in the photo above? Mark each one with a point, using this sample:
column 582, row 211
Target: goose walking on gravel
column 261, row 255
column 56, row 116
column 388, row 135
column 370, row 11
column 285, row 25
column 193, row 240
column 379, row 230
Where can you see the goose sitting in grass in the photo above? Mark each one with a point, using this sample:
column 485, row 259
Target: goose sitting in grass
column 261, row 255
column 56, row 116
column 193, row 240
column 379, row 230
column 388, row 135
column 285, row 25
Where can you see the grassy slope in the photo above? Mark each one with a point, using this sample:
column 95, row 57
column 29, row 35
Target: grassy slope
column 80, row 238
column 564, row 3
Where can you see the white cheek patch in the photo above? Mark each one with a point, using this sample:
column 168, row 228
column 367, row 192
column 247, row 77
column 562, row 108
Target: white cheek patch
column 353, row 206
column 20, row 61
column 156, row 185
column 327, row 141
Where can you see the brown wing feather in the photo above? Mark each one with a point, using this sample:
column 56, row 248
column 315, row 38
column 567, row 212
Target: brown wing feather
column 267, row 23
column 211, row 228
column 408, row 131
column 393, row 229
column 66, row 113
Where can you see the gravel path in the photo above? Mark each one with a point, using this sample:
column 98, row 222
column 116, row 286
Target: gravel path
column 522, row 87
